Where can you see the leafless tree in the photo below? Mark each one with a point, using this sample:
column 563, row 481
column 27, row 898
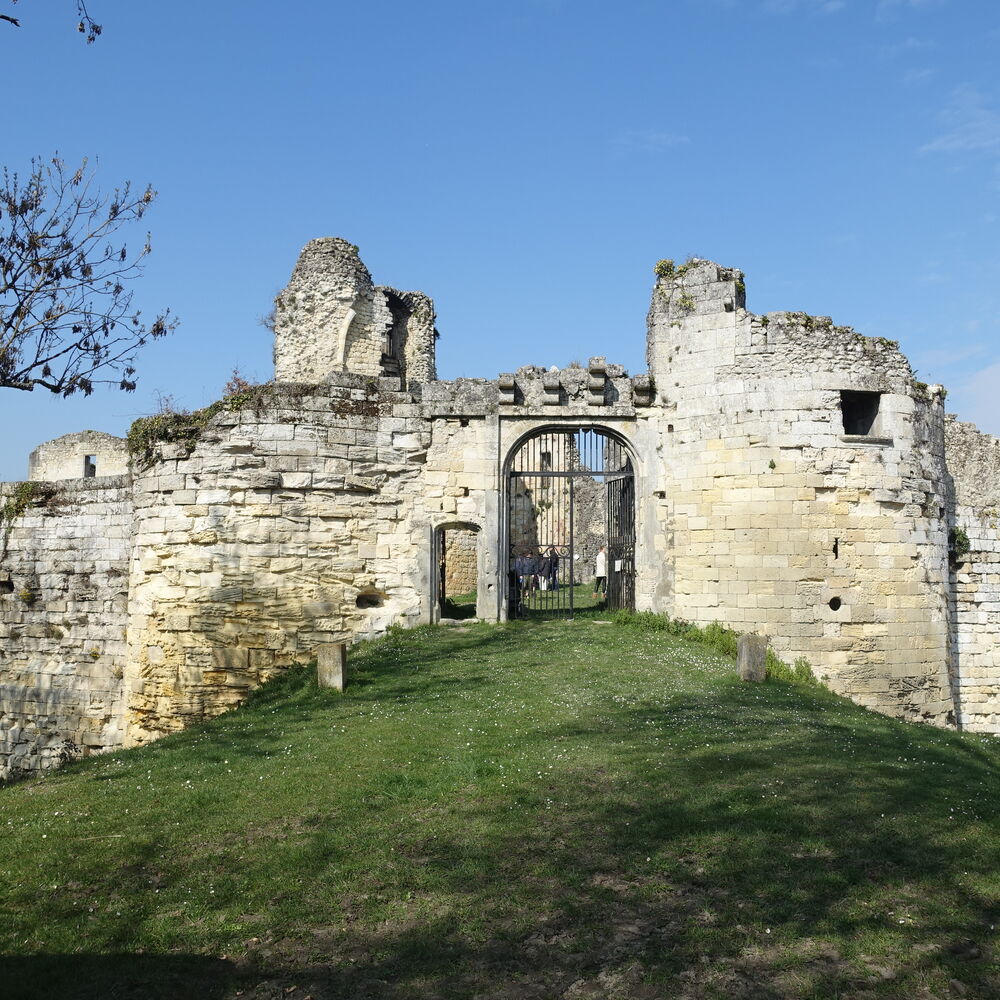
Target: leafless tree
column 66, row 317
column 86, row 25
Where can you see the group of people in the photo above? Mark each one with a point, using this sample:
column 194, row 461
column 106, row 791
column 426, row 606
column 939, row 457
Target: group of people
column 537, row 571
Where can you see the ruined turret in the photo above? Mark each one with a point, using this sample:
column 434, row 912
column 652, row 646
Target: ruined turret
column 700, row 298
column 332, row 318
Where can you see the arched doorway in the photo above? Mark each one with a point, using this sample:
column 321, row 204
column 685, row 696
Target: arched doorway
column 570, row 493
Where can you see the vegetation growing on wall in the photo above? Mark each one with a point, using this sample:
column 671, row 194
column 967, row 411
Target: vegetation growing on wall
column 23, row 496
column 667, row 269
column 185, row 427
column 958, row 544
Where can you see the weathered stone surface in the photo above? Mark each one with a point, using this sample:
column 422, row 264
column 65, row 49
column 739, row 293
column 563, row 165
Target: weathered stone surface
column 751, row 657
column 63, row 613
column 331, row 665
column 74, row 456
column 332, row 318
column 461, row 571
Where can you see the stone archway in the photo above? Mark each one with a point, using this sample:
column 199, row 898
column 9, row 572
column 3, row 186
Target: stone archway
column 570, row 491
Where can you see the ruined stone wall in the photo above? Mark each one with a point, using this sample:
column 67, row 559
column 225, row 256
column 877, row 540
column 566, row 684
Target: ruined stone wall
column 833, row 544
column 418, row 335
column 66, row 457
column 281, row 530
column 63, row 593
column 307, row 522
column 332, row 318
column 460, row 478
column 460, row 561
column 311, row 515
column 974, row 464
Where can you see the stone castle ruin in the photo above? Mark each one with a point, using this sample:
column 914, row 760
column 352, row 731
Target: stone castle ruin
column 785, row 476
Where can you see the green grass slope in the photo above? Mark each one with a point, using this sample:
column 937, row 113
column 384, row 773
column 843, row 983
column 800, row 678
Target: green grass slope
column 527, row 810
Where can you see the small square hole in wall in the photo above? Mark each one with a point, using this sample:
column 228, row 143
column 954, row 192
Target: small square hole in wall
column 89, row 466
column 859, row 410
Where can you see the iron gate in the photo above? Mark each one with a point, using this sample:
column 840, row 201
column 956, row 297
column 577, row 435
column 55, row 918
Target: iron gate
column 570, row 492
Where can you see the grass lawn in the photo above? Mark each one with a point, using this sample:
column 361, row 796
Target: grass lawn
column 542, row 604
column 538, row 809
column 460, row 606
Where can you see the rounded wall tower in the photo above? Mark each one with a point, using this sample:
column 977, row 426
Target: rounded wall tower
column 803, row 467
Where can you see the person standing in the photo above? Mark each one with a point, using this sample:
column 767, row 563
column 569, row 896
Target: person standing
column 601, row 574
column 553, row 568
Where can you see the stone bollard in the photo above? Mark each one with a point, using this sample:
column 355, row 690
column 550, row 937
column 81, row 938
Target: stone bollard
column 751, row 657
column 331, row 665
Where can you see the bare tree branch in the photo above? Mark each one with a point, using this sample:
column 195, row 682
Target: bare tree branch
column 86, row 25
column 66, row 317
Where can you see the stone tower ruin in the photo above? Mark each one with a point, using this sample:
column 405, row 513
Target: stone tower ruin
column 332, row 318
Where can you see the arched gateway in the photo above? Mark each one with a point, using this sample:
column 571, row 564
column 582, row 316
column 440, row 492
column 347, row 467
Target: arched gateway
column 570, row 492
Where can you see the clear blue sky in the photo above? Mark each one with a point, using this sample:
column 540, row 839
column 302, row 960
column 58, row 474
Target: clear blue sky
column 525, row 163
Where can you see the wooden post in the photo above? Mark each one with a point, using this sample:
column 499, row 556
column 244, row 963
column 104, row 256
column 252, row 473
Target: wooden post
column 751, row 657
column 331, row 665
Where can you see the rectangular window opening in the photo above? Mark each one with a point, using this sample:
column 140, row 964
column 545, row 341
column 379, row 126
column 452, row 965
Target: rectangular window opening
column 860, row 411
column 89, row 466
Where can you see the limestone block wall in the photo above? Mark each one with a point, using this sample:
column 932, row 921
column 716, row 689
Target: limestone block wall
column 63, row 594
column 281, row 530
column 974, row 463
column 461, row 570
column 414, row 335
column 459, row 478
column 67, row 457
column 834, row 544
column 792, row 478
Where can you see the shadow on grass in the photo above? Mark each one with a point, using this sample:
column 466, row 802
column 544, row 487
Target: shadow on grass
column 115, row 977
column 771, row 860
column 460, row 607
column 753, row 841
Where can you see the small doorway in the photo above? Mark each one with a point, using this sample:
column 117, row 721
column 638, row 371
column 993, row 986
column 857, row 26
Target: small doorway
column 570, row 528
column 456, row 563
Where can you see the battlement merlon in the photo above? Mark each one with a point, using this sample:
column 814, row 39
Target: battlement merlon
column 332, row 318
